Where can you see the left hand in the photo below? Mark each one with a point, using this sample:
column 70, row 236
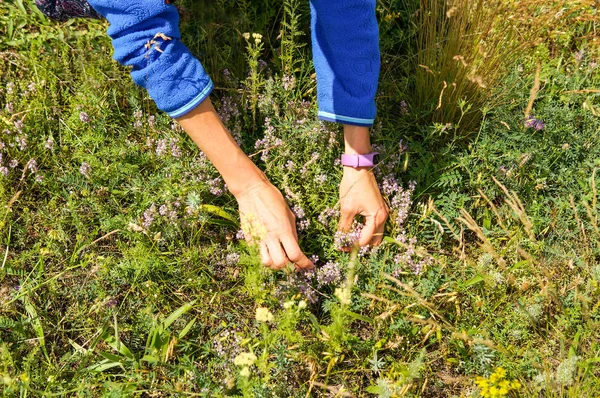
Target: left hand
column 359, row 194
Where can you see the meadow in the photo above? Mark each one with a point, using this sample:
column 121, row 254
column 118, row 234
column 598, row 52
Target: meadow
column 123, row 271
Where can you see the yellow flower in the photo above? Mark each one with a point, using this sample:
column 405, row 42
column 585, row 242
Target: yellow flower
column 264, row 315
column 245, row 372
column 246, row 36
column 245, row 359
column 343, row 294
column 301, row 304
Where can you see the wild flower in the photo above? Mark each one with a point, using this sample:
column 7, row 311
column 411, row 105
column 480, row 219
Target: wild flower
column 390, row 185
column 161, row 147
column 175, row 150
column 215, row 186
column 245, row 372
column 290, row 165
column 163, row 210
column 534, row 123
column 343, row 294
column 403, row 107
column 303, row 225
column 245, row 359
column 22, row 142
column 496, row 386
column 321, row 178
column 346, row 239
column 228, row 110
column 49, row 143
column 10, row 108
column 330, row 273
column 85, row 169
column 232, row 258
column 13, row 163
column 298, row 211
column 239, row 235
column 264, row 315
column 566, row 371
column 84, row 117
column 151, row 120
column 262, row 65
column 6, row 132
column 30, row 88
column 149, row 215
column 32, row 166
column 288, row 82
column 19, row 125
column 4, row 171
column 10, row 88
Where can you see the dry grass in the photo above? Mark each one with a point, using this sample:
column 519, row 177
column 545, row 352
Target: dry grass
column 465, row 47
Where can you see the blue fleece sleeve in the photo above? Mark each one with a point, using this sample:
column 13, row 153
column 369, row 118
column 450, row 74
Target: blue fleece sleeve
column 145, row 35
column 345, row 40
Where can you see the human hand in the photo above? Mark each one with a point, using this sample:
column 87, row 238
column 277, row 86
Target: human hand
column 268, row 221
column 359, row 194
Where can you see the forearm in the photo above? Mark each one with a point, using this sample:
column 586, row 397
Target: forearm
column 357, row 140
column 204, row 127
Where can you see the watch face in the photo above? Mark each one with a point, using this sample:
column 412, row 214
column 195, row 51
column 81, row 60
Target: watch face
column 375, row 159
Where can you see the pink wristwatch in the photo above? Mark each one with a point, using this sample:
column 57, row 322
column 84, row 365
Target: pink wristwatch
column 366, row 160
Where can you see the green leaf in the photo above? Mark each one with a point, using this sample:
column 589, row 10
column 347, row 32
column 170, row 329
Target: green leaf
column 178, row 313
column 218, row 211
column 187, row 328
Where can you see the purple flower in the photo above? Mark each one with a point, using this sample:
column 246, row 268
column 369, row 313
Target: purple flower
column 161, row 147
column 162, row 210
column 10, row 108
column 321, row 178
column 151, row 120
column 298, row 211
column 534, row 123
column 326, row 216
column 32, row 166
column 239, row 235
column 13, row 163
column 49, row 143
column 85, row 169
column 232, row 258
column 403, row 107
column 390, row 185
column 175, row 150
column 149, row 215
column 4, row 171
column 84, row 117
column 539, row 125
column 303, row 225
column 347, row 239
column 112, row 303
column 22, row 142
column 19, row 125
column 215, row 186
column 329, row 273
column 39, row 178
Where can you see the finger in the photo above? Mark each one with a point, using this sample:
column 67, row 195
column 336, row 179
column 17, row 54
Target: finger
column 380, row 220
column 290, row 245
column 346, row 219
column 265, row 258
column 366, row 234
column 277, row 254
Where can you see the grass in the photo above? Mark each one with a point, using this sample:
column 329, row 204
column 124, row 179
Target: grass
column 121, row 272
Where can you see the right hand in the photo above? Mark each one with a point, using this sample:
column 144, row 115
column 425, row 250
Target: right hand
column 268, row 221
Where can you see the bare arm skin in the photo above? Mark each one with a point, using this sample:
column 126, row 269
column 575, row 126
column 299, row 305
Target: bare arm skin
column 261, row 205
column 359, row 193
